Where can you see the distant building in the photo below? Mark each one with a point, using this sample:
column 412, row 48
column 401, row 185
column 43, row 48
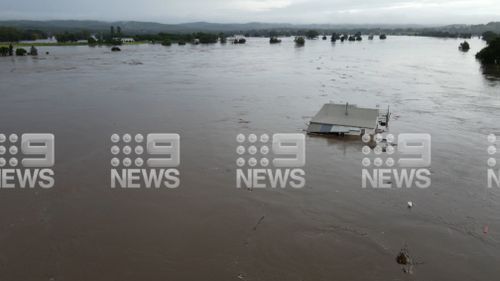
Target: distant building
column 126, row 40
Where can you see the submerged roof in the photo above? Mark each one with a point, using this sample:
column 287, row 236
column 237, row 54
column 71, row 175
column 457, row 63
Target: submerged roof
column 347, row 115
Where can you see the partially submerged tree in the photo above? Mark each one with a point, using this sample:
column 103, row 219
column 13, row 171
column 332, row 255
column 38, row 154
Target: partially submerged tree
column 464, row 46
column 4, row 51
column 300, row 41
column 274, row 40
column 21, row 52
column 491, row 53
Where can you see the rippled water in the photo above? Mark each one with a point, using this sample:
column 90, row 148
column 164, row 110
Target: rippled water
column 331, row 230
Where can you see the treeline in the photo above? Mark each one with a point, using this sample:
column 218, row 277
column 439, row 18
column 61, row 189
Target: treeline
column 11, row 34
column 490, row 55
column 73, row 36
column 202, row 37
column 443, row 34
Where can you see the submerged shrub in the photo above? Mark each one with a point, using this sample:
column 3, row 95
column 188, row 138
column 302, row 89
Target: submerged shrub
column 21, row 52
column 464, row 46
column 4, row 51
column 300, row 41
column 274, row 40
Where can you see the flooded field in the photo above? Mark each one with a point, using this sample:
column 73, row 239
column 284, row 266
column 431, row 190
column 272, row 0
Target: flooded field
column 207, row 229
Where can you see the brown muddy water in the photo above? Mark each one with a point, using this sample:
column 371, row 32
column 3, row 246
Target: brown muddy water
column 207, row 229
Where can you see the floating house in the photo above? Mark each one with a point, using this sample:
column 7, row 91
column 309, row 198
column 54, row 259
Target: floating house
column 346, row 119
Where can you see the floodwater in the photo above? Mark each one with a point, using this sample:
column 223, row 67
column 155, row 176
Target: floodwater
column 207, row 229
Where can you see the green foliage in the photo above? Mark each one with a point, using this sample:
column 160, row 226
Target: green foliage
column 206, row 38
column 72, row 37
column 443, row 34
column 489, row 36
column 21, row 52
column 464, row 46
column 92, row 41
column 112, row 41
column 274, row 40
column 312, row 34
column 300, row 41
column 10, row 34
column 491, row 53
column 4, row 51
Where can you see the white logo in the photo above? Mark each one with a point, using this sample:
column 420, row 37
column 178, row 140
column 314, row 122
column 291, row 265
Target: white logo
column 289, row 156
column 159, row 153
column 493, row 175
column 32, row 170
column 411, row 168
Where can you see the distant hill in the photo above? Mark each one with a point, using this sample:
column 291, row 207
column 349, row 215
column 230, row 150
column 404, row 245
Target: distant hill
column 136, row 27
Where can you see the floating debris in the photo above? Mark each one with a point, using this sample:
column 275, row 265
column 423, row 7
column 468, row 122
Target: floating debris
column 410, row 204
column 258, row 223
column 403, row 257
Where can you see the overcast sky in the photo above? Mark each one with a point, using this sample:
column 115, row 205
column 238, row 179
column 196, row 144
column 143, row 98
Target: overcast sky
column 238, row 11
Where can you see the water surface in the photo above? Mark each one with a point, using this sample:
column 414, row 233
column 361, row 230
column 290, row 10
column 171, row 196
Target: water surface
column 330, row 230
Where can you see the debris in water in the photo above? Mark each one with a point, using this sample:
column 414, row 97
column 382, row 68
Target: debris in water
column 257, row 224
column 403, row 257
column 410, row 204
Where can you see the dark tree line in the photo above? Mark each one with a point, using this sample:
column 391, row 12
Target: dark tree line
column 11, row 34
column 72, row 37
column 166, row 38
